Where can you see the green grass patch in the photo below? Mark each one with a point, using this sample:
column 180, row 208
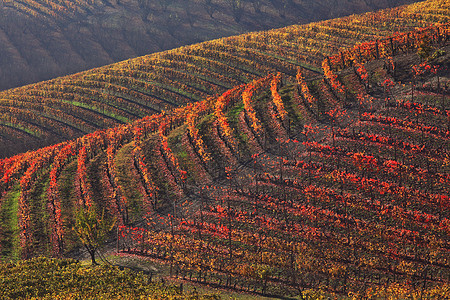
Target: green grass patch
column 205, row 122
column 10, row 225
column 182, row 154
column 98, row 110
column 234, row 112
column 232, row 117
column 185, row 161
column 17, row 126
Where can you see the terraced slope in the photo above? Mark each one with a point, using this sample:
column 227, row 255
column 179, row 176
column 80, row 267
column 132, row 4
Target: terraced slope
column 68, row 107
column 338, row 184
column 43, row 39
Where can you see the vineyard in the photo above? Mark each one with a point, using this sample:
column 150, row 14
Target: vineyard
column 43, row 39
column 337, row 183
column 43, row 278
column 69, row 107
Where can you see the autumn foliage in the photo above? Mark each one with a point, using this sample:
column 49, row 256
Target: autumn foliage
column 252, row 189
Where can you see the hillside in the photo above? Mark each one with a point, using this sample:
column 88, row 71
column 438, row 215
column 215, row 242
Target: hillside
column 45, row 113
column 337, row 184
column 43, row 278
column 43, row 39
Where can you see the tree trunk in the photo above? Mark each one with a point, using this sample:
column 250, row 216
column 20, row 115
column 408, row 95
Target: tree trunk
column 92, row 253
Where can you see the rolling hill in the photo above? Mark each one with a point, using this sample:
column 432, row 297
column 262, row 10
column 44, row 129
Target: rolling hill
column 338, row 183
column 42, row 39
column 68, row 107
